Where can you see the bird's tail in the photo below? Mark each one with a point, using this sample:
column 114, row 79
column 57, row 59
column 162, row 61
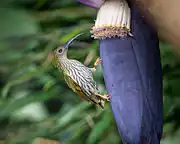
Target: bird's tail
column 99, row 101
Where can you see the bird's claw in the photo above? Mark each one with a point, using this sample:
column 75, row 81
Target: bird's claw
column 98, row 61
column 107, row 97
column 104, row 97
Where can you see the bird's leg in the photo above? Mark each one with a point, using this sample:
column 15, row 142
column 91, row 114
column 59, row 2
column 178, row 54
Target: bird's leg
column 105, row 96
column 97, row 62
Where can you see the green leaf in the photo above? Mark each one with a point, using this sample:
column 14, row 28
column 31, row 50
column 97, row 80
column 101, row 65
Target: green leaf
column 171, row 139
column 16, row 23
column 10, row 106
column 100, row 128
column 71, row 114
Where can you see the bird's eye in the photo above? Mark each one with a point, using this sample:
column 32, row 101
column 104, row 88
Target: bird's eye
column 60, row 51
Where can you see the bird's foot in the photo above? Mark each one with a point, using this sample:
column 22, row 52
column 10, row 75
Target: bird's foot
column 97, row 62
column 105, row 97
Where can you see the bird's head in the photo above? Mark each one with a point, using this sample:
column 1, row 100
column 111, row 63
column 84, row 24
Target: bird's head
column 61, row 52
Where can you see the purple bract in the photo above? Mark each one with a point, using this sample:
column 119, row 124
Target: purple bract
column 91, row 3
column 133, row 77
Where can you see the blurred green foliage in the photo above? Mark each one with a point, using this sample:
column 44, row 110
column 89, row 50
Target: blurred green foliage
column 36, row 102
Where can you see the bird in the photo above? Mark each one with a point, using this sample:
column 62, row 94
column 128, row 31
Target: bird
column 78, row 76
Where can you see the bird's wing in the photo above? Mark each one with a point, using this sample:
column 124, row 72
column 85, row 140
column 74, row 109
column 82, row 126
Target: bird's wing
column 75, row 87
column 83, row 77
column 88, row 70
column 81, row 91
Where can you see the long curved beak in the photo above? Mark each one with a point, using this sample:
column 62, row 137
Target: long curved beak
column 71, row 40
